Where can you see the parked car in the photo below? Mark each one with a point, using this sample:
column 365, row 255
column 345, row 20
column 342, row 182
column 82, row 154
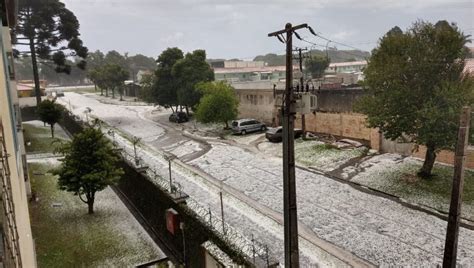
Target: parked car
column 178, row 117
column 244, row 126
column 276, row 134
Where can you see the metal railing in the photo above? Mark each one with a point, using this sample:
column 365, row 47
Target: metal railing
column 255, row 252
column 10, row 235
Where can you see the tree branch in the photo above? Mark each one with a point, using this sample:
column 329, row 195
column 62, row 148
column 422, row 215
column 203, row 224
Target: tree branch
column 80, row 197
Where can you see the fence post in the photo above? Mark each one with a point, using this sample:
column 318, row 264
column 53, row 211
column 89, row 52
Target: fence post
column 253, row 249
column 210, row 216
column 222, row 213
column 266, row 256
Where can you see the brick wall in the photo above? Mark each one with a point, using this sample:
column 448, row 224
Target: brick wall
column 447, row 157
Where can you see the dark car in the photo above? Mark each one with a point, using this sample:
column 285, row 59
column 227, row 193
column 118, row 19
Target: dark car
column 178, row 117
column 276, row 134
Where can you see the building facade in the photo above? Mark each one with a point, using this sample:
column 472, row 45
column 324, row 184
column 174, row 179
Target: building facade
column 17, row 242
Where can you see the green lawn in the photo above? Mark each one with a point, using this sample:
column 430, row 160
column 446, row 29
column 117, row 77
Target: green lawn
column 39, row 137
column 64, row 234
column 82, row 90
column 400, row 179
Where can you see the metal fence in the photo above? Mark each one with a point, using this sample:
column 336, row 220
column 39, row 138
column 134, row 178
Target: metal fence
column 255, row 252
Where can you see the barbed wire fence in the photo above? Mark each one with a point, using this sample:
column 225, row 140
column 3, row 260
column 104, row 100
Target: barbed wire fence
column 256, row 253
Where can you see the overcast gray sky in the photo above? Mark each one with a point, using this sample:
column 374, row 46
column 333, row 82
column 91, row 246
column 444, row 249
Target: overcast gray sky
column 239, row 28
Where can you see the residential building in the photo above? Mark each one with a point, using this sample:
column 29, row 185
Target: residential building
column 347, row 67
column 17, row 247
column 26, row 88
column 242, row 74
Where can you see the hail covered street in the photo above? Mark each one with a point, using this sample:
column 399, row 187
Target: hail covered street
column 338, row 225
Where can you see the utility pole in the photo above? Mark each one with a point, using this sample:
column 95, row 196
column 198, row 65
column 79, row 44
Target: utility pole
column 451, row 245
column 300, row 58
column 289, row 183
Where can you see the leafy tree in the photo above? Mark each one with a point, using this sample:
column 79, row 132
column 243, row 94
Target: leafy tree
column 146, row 85
column 50, row 32
column 113, row 76
column 316, row 65
column 218, row 104
column 188, row 72
column 115, row 58
column 95, row 61
column 90, row 165
column 50, row 112
column 165, row 87
column 416, row 87
column 140, row 62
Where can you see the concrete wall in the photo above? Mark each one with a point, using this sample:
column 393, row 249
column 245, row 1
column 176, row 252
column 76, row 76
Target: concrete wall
column 338, row 100
column 349, row 125
column 408, row 149
column 17, row 237
column 256, row 104
column 256, row 100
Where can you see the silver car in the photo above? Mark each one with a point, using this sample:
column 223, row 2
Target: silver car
column 244, row 126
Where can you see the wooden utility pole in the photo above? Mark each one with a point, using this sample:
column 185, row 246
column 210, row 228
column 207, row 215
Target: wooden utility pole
column 451, row 245
column 289, row 183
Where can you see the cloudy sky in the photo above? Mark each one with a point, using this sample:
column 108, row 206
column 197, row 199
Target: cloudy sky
column 239, row 28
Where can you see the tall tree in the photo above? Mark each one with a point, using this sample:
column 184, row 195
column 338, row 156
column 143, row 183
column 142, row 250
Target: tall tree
column 114, row 57
column 112, row 77
column 218, row 103
column 90, row 165
column 416, row 87
column 50, row 32
column 140, row 62
column 50, row 112
column 165, row 87
column 188, row 72
column 316, row 65
column 146, row 84
column 95, row 60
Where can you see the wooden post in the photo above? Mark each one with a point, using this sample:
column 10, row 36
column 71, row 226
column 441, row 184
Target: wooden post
column 450, row 248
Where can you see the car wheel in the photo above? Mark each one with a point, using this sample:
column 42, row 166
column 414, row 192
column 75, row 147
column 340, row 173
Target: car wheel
column 243, row 132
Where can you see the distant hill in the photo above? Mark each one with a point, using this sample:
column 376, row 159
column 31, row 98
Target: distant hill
column 334, row 55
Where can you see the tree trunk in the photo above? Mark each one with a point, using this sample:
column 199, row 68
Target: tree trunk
column 90, row 202
column 52, row 130
column 95, row 87
column 187, row 110
column 226, row 125
column 90, row 205
column 34, row 62
column 106, row 92
column 430, row 157
column 101, row 91
column 113, row 93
